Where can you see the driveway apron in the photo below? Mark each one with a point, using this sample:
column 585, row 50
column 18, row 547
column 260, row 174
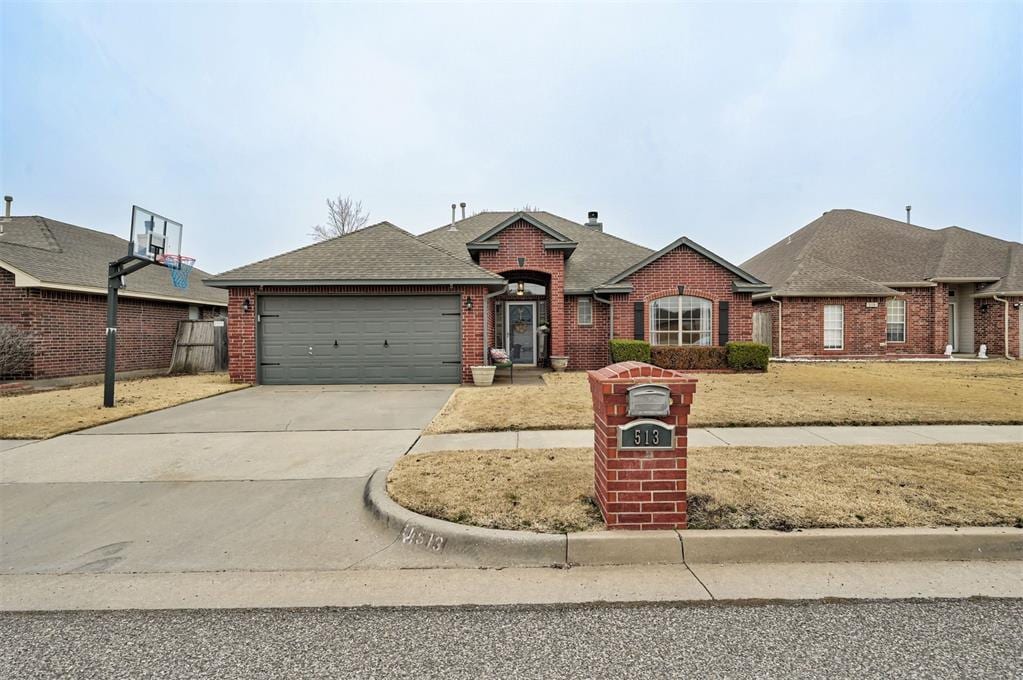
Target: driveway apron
column 269, row 478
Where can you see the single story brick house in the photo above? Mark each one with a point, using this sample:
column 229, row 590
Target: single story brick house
column 382, row 305
column 852, row 284
column 53, row 284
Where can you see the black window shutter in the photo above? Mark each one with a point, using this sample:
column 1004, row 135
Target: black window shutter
column 722, row 323
column 638, row 319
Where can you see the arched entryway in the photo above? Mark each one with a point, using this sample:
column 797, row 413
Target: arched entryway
column 521, row 317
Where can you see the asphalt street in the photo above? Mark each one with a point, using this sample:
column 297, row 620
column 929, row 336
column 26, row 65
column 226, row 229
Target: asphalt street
column 975, row 638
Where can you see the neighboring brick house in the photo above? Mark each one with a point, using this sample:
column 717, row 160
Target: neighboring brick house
column 382, row 305
column 53, row 282
column 851, row 284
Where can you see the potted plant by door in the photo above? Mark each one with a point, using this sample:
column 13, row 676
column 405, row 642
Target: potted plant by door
column 559, row 364
column 483, row 375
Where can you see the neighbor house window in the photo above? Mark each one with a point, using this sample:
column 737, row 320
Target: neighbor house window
column 834, row 326
column 584, row 312
column 680, row 320
column 896, row 320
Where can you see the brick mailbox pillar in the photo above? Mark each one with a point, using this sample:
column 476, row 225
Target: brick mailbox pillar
column 639, row 464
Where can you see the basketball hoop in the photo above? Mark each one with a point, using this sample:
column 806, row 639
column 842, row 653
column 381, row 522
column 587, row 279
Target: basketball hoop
column 180, row 267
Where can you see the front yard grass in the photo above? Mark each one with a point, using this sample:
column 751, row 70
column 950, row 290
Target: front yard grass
column 868, row 393
column 551, row 490
column 41, row 415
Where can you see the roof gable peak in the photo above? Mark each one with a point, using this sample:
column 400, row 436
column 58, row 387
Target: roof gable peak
column 523, row 216
column 694, row 246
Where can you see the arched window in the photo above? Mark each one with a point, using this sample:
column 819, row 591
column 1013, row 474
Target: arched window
column 680, row 320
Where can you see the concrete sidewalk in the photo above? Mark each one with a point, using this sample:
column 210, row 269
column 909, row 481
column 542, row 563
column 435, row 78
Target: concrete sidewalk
column 741, row 436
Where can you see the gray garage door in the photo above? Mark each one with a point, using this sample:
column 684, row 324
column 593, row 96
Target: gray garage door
column 338, row 340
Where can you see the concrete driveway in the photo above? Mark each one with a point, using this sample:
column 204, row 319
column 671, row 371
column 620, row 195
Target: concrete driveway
column 268, row 478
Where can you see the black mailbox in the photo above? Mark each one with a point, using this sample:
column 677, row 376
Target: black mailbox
column 648, row 400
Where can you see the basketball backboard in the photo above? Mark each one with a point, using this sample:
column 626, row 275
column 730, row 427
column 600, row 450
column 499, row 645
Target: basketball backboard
column 153, row 235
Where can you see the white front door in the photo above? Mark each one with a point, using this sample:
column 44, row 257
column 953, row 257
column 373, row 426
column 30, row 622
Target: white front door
column 953, row 327
column 520, row 331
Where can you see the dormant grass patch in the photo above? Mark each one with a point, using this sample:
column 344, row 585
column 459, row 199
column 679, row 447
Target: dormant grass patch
column 731, row 487
column 40, row 415
column 867, row 393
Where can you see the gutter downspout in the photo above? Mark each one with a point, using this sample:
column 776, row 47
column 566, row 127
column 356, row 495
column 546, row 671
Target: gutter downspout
column 1005, row 323
column 486, row 326
column 772, row 299
column 611, row 320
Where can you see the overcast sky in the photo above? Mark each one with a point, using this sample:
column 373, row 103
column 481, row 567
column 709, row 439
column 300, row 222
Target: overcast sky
column 731, row 124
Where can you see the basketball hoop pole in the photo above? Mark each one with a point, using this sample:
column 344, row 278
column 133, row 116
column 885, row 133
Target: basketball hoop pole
column 116, row 272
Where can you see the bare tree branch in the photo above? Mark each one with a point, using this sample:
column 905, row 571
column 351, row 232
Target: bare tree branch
column 343, row 217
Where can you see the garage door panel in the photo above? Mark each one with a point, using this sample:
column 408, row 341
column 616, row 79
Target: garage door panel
column 422, row 335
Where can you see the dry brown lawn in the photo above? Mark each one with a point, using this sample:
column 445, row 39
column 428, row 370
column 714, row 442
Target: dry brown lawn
column 731, row 488
column 788, row 394
column 40, row 415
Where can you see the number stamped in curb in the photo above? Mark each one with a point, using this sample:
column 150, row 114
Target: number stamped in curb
column 413, row 535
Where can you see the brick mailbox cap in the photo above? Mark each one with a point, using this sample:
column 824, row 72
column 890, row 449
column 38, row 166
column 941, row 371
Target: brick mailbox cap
column 638, row 369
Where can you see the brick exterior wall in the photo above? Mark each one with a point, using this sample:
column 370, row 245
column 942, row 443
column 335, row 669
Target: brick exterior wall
column 802, row 327
column 701, row 277
column 586, row 346
column 639, row 489
column 68, row 330
column 241, row 329
column 523, row 240
column 989, row 325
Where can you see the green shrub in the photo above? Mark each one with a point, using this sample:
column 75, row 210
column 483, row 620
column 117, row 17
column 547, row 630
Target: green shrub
column 748, row 356
column 630, row 350
column 689, row 357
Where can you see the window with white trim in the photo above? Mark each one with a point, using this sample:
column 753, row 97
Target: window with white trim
column 896, row 320
column 834, row 326
column 680, row 320
column 584, row 311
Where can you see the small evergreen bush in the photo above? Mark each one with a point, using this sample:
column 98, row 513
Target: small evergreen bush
column 748, row 356
column 630, row 350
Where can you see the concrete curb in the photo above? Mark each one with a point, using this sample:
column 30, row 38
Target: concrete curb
column 910, row 544
column 458, row 542
column 463, row 544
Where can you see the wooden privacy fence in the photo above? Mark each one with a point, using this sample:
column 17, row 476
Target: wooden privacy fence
column 200, row 347
column 762, row 329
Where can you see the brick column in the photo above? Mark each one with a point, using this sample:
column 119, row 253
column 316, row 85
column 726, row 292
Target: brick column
column 639, row 489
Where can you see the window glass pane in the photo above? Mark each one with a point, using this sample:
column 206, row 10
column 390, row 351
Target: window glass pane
column 896, row 320
column 834, row 324
column 585, row 311
column 664, row 321
column 527, row 288
column 696, row 321
column 498, row 325
column 681, row 320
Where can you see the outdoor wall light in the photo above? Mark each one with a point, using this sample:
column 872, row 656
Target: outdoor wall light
column 468, row 302
column 983, row 308
column 246, row 305
column 521, row 289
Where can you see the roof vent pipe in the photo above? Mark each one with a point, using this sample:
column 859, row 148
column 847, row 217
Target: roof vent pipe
column 462, row 204
column 453, row 227
column 908, row 209
column 592, row 222
column 7, row 209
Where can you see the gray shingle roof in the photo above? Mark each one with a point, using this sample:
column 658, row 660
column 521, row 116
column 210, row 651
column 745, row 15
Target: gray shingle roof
column 597, row 258
column 844, row 250
column 64, row 255
column 378, row 253
column 1012, row 282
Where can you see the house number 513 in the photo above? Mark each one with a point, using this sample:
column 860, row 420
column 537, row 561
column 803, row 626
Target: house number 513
column 646, row 437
